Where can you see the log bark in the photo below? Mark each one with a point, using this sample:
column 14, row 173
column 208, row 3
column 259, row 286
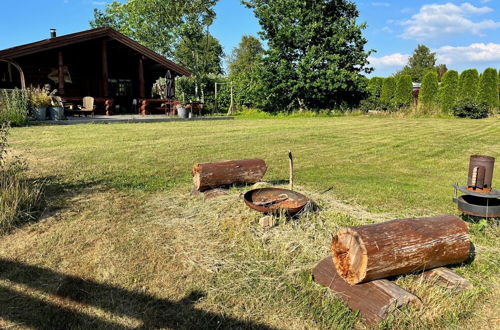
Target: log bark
column 374, row 300
column 398, row 247
column 212, row 175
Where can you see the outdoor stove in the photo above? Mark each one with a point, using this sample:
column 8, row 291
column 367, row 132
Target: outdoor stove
column 480, row 198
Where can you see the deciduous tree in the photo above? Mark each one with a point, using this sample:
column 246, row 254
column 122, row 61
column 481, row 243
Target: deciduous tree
column 316, row 53
column 419, row 63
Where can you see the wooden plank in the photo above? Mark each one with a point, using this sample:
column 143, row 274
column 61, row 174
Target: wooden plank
column 142, row 88
column 396, row 247
column 447, row 278
column 60, row 62
column 374, row 300
column 104, row 67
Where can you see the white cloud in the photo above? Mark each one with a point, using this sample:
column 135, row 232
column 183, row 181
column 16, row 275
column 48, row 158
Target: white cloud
column 389, row 61
column 474, row 53
column 381, row 4
column 436, row 21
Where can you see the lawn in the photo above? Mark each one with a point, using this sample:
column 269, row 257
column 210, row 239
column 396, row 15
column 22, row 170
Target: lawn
column 123, row 244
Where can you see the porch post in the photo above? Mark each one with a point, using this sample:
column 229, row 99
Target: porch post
column 104, row 67
column 142, row 89
column 61, row 73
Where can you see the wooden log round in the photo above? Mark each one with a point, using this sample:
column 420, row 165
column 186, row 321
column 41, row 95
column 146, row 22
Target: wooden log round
column 212, row 175
column 398, row 247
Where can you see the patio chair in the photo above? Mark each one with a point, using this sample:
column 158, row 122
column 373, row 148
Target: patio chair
column 88, row 106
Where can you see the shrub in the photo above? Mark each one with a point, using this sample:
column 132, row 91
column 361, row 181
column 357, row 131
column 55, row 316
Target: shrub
column 375, row 86
column 471, row 109
column 387, row 92
column 488, row 89
column 468, row 86
column 19, row 199
column 448, row 91
column 14, row 107
column 428, row 92
column 404, row 89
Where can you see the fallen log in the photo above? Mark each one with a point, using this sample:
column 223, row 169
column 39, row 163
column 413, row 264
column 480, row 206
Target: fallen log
column 398, row 247
column 212, row 175
column 374, row 300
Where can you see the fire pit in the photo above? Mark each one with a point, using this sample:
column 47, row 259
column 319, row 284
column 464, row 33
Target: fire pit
column 275, row 200
column 479, row 198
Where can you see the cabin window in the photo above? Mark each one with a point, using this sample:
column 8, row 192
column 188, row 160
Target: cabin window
column 120, row 87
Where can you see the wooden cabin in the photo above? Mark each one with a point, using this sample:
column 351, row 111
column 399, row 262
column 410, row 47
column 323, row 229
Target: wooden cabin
column 101, row 63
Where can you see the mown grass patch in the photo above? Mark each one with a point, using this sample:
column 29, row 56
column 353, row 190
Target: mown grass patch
column 121, row 214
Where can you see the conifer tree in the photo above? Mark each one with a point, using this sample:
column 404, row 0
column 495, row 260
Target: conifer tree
column 429, row 89
column 388, row 91
column 404, row 89
column 468, row 86
column 448, row 91
column 488, row 89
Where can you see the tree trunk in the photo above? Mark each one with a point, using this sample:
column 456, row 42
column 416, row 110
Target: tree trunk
column 399, row 247
column 212, row 175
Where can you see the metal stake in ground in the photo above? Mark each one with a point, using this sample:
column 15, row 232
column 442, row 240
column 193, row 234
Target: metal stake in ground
column 290, row 157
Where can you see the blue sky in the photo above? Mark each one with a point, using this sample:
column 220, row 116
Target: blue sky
column 464, row 34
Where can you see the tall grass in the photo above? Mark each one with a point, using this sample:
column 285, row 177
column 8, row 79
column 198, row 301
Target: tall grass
column 19, row 199
column 14, row 107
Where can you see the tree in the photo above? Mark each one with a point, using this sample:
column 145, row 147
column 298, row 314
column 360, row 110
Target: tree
column 421, row 62
column 488, row 88
column 243, row 65
column 157, row 24
column 468, row 86
column 375, row 86
column 316, row 53
column 404, row 89
column 448, row 91
column 388, row 91
column 429, row 89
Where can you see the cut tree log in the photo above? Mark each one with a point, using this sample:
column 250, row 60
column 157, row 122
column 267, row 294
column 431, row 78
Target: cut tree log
column 374, row 300
column 212, row 175
column 447, row 278
column 398, row 247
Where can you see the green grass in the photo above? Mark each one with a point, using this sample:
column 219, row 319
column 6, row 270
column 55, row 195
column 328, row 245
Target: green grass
column 120, row 213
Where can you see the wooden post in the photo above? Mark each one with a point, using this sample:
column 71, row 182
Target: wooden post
column 290, row 157
column 231, row 106
column 142, row 89
column 104, row 66
column 61, row 73
column 216, row 105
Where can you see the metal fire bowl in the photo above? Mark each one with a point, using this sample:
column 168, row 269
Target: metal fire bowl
column 479, row 207
column 294, row 204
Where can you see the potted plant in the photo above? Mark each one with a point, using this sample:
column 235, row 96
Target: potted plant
column 181, row 111
column 40, row 100
column 56, row 109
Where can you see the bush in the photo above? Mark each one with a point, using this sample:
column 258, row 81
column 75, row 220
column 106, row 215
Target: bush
column 471, row 109
column 428, row 92
column 14, row 107
column 375, row 86
column 387, row 92
column 448, row 91
column 468, row 86
column 404, row 89
column 19, row 199
column 488, row 89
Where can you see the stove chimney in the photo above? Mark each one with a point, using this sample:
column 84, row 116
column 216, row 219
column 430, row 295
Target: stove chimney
column 53, row 33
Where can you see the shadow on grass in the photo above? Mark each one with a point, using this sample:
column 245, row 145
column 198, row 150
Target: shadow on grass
column 35, row 312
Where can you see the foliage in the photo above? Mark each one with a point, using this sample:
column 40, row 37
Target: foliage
column 448, row 91
column 156, row 24
column 201, row 55
column 471, row 109
column 39, row 98
column 468, row 86
column 488, row 89
column 375, row 86
column 19, row 199
column 243, row 67
column 14, row 107
column 388, row 92
column 403, row 94
column 419, row 63
column 316, row 54
column 429, row 89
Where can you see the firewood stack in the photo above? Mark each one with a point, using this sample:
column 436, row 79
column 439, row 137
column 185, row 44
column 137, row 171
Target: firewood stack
column 364, row 256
